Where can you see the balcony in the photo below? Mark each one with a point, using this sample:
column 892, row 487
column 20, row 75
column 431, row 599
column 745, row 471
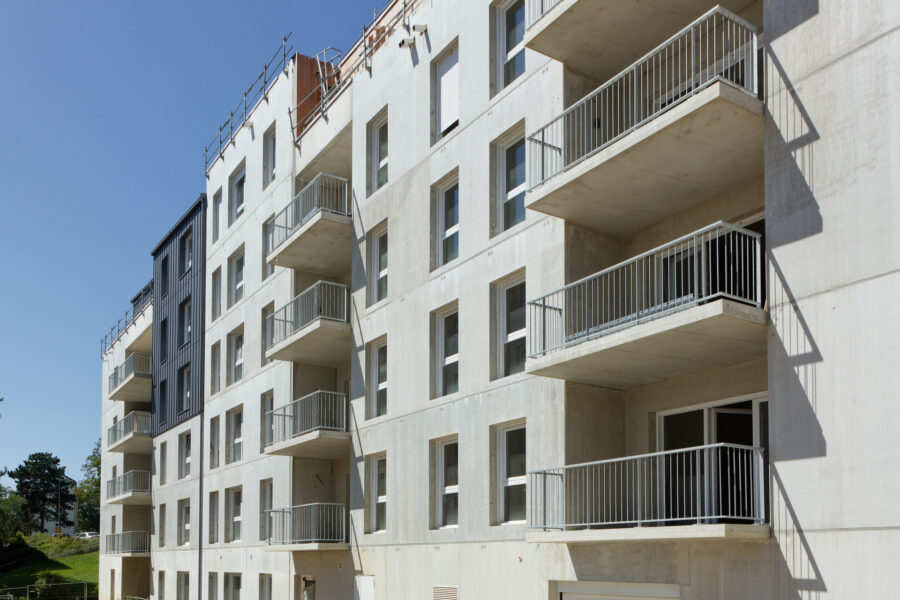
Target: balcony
column 129, row 543
column 132, row 487
column 678, row 127
column 314, row 233
column 317, row 526
column 599, row 37
column 130, row 381
column 312, row 328
column 713, row 492
column 131, row 434
column 314, row 426
column 691, row 305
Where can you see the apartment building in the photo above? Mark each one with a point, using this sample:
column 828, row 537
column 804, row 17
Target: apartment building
column 614, row 347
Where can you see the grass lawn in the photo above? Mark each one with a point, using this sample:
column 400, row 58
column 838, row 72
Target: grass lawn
column 80, row 567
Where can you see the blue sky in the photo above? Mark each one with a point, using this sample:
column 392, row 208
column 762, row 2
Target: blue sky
column 105, row 108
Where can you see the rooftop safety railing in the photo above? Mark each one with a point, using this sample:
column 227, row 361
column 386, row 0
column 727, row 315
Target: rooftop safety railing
column 536, row 9
column 128, row 542
column 257, row 90
column 316, row 411
column 322, row 300
column 706, row 484
column 320, row 522
column 718, row 261
column 719, row 46
column 324, row 193
column 132, row 481
column 138, row 364
column 134, row 423
column 140, row 304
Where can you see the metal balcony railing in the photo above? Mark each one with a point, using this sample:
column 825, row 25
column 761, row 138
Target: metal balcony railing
column 319, row 410
column 139, row 363
column 132, row 481
column 704, row 484
column 324, row 193
column 128, row 542
column 139, row 304
column 322, row 300
column 718, row 261
column 719, row 46
column 321, row 522
column 536, row 9
column 137, row 423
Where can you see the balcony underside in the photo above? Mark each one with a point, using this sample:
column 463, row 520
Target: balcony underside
column 308, row 547
column 136, row 388
column 133, row 444
column 132, row 499
column 599, row 38
column 698, row 338
column 700, row 148
column 321, row 443
column 323, row 343
column 675, row 533
column 143, row 342
column 326, row 145
column 130, row 554
column 323, row 245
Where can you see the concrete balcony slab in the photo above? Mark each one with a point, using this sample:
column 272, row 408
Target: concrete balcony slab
column 324, row 343
column 133, row 443
column 308, row 547
column 131, row 499
column 325, row 144
column 136, row 387
column 323, row 245
column 676, row 533
column 321, row 443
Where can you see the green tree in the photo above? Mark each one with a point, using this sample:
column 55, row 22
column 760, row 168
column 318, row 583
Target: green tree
column 14, row 516
column 42, row 481
column 88, row 492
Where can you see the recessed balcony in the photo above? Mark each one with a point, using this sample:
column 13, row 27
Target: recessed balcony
column 314, row 426
column 314, row 233
column 680, row 126
column 599, row 37
column 129, row 544
column 691, row 305
column 131, row 434
column 131, row 381
column 131, row 488
column 309, row 527
column 312, row 328
column 714, row 492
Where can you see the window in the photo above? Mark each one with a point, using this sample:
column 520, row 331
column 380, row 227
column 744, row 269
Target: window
column 162, row 463
column 164, row 277
column 164, row 340
column 265, row 504
column 377, row 493
column 378, row 152
column 268, row 174
column 265, row 586
column 214, row 442
column 236, row 356
column 184, row 455
column 216, row 211
column 216, row 294
column 266, row 426
column 267, row 269
column 267, row 311
column 232, row 586
column 184, row 388
column 236, row 277
column 184, row 522
column 447, row 480
column 447, row 352
column 511, row 38
column 184, row 317
column 378, row 385
column 511, row 321
column 213, row 586
column 235, row 444
column 233, row 501
column 307, row 587
column 448, row 224
column 446, row 92
column 236, row 194
column 511, row 470
column 161, row 586
column 186, row 252
column 215, row 368
column 512, row 184
column 161, row 533
column 163, row 404
column 378, row 259
column 182, row 586
column 213, row 519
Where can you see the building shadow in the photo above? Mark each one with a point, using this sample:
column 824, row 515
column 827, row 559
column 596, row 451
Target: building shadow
column 782, row 17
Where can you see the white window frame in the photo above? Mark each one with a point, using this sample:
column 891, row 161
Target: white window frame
column 268, row 161
column 184, row 522
column 213, row 510
column 377, row 499
column 235, row 519
column 161, row 585
column 442, row 489
column 216, row 300
column 504, row 336
column 267, row 311
column 235, row 210
column 184, row 454
column 186, row 318
column 182, row 585
column 184, row 391
column 266, row 493
column 377, row 386
column 216, row 215
column 232, row 591
column 440, row 69
column 235, row 435
column 161, row 526
column 163, row 447
column 375, row 157
column 235, row 356
column 236, row 265
column 187, row 250
column 378, row 270
column 443, row 359
column 214, row 442
column 265, row 586
column 212, row 586
column 503, row 480
column 445, row 232
column 504, row 195
column 267, row 268
column 215, row 368
column 504, row 55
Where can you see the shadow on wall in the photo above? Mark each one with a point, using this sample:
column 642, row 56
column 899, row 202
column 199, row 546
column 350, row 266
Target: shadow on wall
column 782, row 17
column 800, row 573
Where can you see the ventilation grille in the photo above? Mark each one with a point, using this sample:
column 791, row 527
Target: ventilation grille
column 444, row 592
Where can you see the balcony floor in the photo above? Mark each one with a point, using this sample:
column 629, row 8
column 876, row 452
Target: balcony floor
column 132, row 499
column 137, row 388
column 599, row 38
column 323, row 245
column 308, row 547
column 135, row 444
column 695, row 339
column 326, row 145
column 700, row 148
column 323, row 343
column 676, row 533
column 321, row 443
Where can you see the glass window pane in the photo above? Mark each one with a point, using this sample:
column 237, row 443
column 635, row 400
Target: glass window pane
column 380, row 403
column 515, row 308
column 382, row 175
column 451, row 462
column 451, row 334
column 451, row 247
column 514, row 210
column 450, row 510
column 382, row 142
column 381, row 483
column 382, row 252
column 382, row 364
column 450, row 378
column 514, row 500
column 515, row 24
column 514, row 67
column 515, row 165
column 380, row 524
column 515, row 452
column 451, row 207
column 514, row 357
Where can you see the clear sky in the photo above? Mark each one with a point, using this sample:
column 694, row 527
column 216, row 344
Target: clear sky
column 105, row 107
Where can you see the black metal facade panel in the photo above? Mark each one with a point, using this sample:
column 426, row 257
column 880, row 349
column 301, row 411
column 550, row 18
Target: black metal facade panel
column 170, row 290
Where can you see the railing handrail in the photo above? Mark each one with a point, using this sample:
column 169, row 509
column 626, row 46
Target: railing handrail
column 130, row 366
column 315, row 522
column 658, row 249
column 129, row 425
column 128, row 541
column 297, row 218
column 130, row 316
column 321, row 418
column 307, row 505
column 135, row 480
column 292, row 324
column 645, row 455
